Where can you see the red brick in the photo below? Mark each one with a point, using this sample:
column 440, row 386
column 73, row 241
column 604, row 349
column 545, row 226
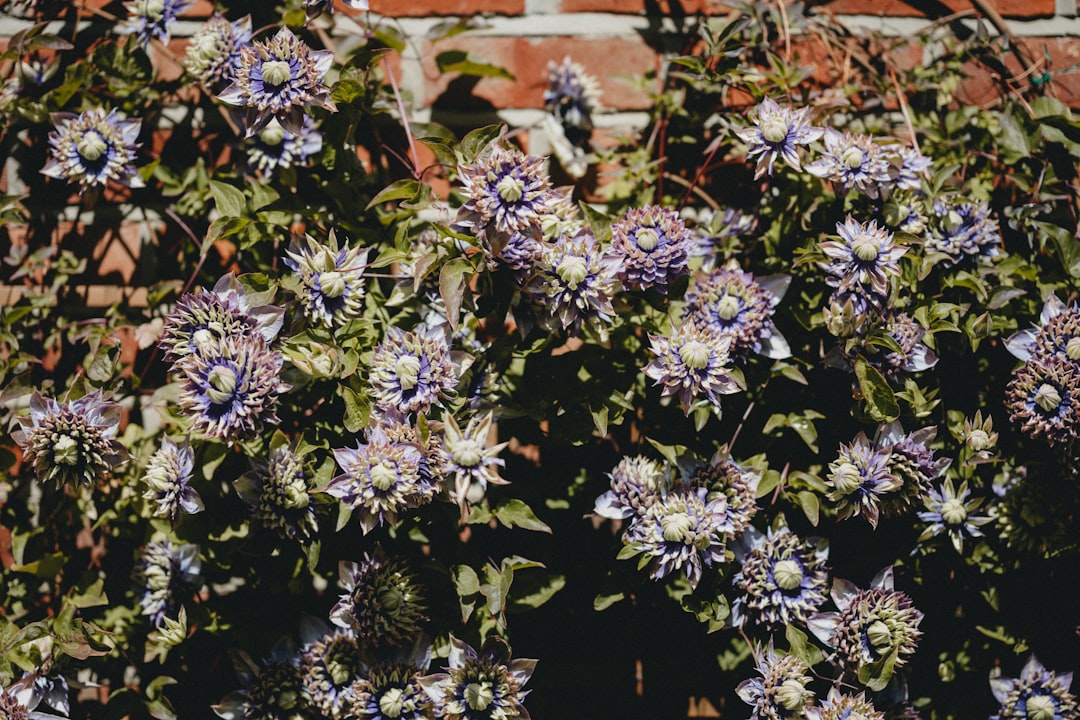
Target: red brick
column 638, row 7
column 983, row 89
column 910, row 8
column 607, row 59
column 428, row 8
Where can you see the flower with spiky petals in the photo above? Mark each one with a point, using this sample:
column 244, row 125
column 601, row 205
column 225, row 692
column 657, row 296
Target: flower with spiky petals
column 783, row 577
column 979, row 437
column 229, row 388
column 274, row 690
column 92, row 148
column 391, row 692
column 279, row 78
column 725, row 480
column 167, row 476
column 469, row 457
column 379, row 479
column 912, row 462
column 651, row 246
column 715, row 227
column 777, row 132
column 951, row 511
column 848, row 313
column 279, row 493
column 1038, row 694
column 274, row 147
column 398, row 429
column 11, row 708
column 152, row 19
column 862, row 259
column 485, row 685
column 329, row 667
column 914, row 355
column 735, row 304
column 875, row 630
column 844, row 706
column 73, row 442
column 213, row 55
column 563, row 218
column 505, row 192
column 906, row 211
column 859, row 479
column 680, row 532
column 1043, row 397
column 164, row 573
column 228, row 311
column 962, row 228
column 331, row 278
column 852, row 162
column 573, row 285
column 520, row 253
column 412, row 371
column 636, row 483
column 383, row 601
column 572, row 96
column 906, row 166
column 1058, row 333
column 692, row 362
column 781, row 693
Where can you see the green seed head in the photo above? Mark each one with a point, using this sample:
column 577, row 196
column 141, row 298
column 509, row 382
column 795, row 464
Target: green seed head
column 846, row 478
column 573, row 270
column 66, row 450
column 695, row 354
column 510, row 188
column 479, row 695
column 276, row 72
column 647, row 239
column 332, row 284
column 407, row 369
column 91, row 145
column 788, row 574
column 774, row 130
column 792, row 695
column 1047, row 397
column 953, row 512
column 383, row 476
column 727, row 307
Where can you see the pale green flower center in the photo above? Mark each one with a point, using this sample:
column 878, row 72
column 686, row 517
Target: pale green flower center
column 91, row 145
column 478, row 695
column 206, row 46
column 296, row 497
column 407, row 369
column 978, row 439
column 391, row 600
column 865, row 247
column 952, row 220
column 392, row 702
column 273, row 134
column 953, row 511
column 852, row 158
column 203, row 340
column 510, row 188
column 846, row 478
column 647, row 239
column 788, row 574
column 551, row 226
column 1040, row 707
column 153, row 8
column 573, row 270
column 383, row 476
column 467, row 453
column 339, row 671
column 774, row 129
column 879, row 635
column 66, row 450
column 695, row 354
column 1072, row 348
column 286, row 699
column 727, row 307
column 1047, row 397
column 222, row 381
column 678, row 527
column 792, row 695
column 276, row 72
column 332, row 284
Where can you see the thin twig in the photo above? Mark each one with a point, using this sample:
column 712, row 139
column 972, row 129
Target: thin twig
column 416, row 171
column 904, row 109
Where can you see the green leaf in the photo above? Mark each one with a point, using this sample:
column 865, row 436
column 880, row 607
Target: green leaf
column 230, row 202
column 810, row 505
column 603, row 602
column 881, row 403
column 514, row 512
column 453, row 279
column 467, row 63
column 93, row 596
column 401, row 190
column 537, row 589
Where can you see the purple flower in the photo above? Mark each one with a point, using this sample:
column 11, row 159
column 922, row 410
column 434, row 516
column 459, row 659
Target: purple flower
column 636, row 483
column 280, row 78
column 279, row 493
column 274, row 147
column 505, row 192
column 692, row 362
column 383, row 602
column 852, row 162
column 74, row 442
column 167, row 476
column 571, row 94
column 783, row 578
column 573, row 285
column 1058, row 333
column 152, row 19
column 392, row 692
column 411, row 371
column 379, row 479
column 777, row 132
column 844, row 706
column 951, row 511
column 273, row 689
column 213, row 55
column 781, row 693
column 1043, row 397
column 330, row 665
column 725, row 481
column 962, row 228
column 480, row 685
column 862, row 259
column 469, row 457
column 1038, row 694
column 165, row 573
column 906, row 166
column 651, row 246
column 859, row 479
column 912, row 462
column 92, row 148
column 737, row 305
column 331, row 279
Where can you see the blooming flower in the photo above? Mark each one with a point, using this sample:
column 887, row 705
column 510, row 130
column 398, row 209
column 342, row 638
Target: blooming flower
column 279, row 493
column 844, row 706
column 74, row 442
column 951, row 510
column 1038, row 694
column 468, row 456
column 391, row 692
column 852, row 162
column 783, row 578
column 92, row 148
column 383, row 602
column 274, row 147
column 411, row 371
column 573, row 285
column 379, row 479
column 213, row 55
column 1043, row 397
column 912, row 462
column 279, row 78
column 651, row 246
column 914, row 355
column 781, row 692
column 230, row 387
column 737, row 305
column 777, row 132
column 330, row 665
column 480, row 685
column 862, row 259
column 847, row 313
column 692, row 362
column 165, row 573
column 571, row 96
column 875, row 631
column 153, row 19
column 905, row 166
column 715, row 228
column 725, row 480
column 167, row 476
column 274, row 690
column 1058, row 333
column 859, row 478
column 680, row 532
column 505, row 192
column 331, row 279
column 962, row 228
column 636, row 483
column 21, row 700
column 432, row 470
